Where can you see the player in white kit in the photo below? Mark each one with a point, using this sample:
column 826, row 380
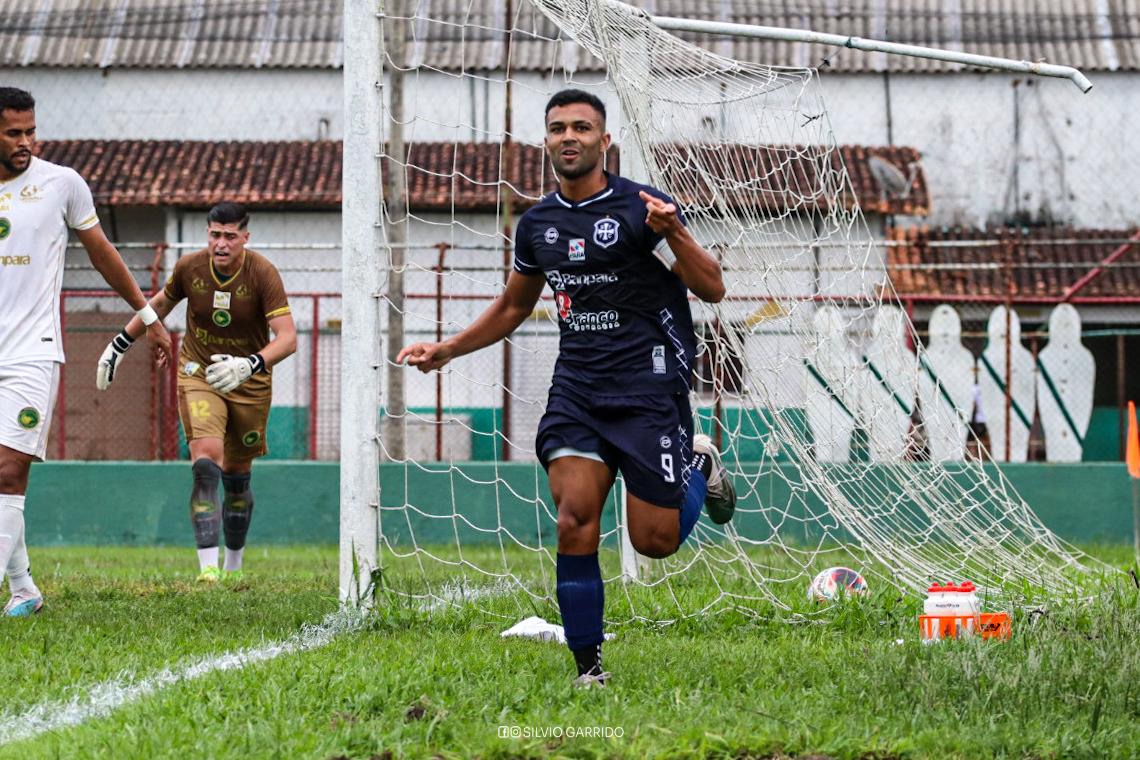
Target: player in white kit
column 39, row 202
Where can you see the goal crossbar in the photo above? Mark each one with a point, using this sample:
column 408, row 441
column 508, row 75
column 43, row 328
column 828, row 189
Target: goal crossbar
column 877, row 46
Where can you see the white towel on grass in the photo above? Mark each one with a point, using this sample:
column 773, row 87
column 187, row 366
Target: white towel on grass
column 535, row 627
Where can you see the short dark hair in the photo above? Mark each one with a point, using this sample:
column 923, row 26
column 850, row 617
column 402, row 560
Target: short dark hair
column 14, row 99
column 566, row 97
column 228, row 212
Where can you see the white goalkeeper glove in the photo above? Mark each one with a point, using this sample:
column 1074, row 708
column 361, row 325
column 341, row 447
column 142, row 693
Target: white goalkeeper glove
column 228, row 372
column 105, row 369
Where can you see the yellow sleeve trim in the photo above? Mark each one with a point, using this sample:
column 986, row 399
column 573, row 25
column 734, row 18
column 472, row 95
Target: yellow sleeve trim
column 87, row 223
column 277, row 312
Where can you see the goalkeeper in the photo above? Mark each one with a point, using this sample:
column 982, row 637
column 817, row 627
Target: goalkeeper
column 620, row 262
column 234, row 297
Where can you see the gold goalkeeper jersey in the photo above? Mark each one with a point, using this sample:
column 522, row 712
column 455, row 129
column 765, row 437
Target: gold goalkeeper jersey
column 226, row 315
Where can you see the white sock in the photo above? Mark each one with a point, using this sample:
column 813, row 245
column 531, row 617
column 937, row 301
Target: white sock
column 20, row 572
column 11, row 529
column 207, row 557
column 233, row 559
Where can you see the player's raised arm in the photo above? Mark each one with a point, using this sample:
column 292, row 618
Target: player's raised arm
column 696, row 267
column 106, row 259
column 500, row 319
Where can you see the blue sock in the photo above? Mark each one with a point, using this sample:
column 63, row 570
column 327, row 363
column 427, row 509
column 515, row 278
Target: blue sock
column 694, row 501
column 581, row 599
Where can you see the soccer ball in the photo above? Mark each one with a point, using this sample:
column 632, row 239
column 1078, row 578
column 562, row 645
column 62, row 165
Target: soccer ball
column 835, row 581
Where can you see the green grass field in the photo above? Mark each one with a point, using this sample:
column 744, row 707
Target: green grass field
column 104, row 672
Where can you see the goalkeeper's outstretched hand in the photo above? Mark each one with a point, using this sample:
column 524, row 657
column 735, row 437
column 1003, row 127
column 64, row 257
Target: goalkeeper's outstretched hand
column 425, row 356
column 228, row 372
column 109, row 361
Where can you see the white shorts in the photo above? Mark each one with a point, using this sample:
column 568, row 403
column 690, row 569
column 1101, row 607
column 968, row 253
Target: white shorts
column 27, row 398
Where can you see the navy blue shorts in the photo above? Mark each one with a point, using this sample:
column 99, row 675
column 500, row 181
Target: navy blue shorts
column 649, row 439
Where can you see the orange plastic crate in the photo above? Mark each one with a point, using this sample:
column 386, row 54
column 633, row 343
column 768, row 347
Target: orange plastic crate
column 990, row 625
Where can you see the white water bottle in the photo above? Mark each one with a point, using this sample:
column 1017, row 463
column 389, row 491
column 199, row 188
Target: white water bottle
column 958, row 602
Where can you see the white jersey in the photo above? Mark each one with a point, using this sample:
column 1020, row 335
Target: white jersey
column 36, row 209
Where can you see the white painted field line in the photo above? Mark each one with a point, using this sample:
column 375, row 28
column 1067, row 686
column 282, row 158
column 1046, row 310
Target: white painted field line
column 104, row 698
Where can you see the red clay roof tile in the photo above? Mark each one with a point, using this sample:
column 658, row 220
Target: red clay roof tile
column 1040, row 264
column 447, row 176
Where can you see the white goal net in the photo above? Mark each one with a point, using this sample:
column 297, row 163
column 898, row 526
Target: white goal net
column 828, row 407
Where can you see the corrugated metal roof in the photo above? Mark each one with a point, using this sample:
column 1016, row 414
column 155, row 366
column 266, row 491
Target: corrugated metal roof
column 440, row 176
column 172, row 34
column 1026, row 264
column 1094, row 35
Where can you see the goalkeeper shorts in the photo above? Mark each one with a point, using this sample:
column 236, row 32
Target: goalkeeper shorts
column 648, row 438
column 238, row 419
column 27, row 400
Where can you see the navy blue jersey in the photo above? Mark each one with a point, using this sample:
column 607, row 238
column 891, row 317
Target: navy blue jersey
column 624, row 317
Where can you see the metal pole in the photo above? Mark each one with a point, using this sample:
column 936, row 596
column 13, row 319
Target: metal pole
column 314, row 377
column 361, row 270
column 395, row 190
column 507, row 199
column 439, row 339
column 877, row 46
column 1121, row 402
column 1008, row 347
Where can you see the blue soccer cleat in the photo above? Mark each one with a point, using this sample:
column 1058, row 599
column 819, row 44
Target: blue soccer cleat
column 23, row 606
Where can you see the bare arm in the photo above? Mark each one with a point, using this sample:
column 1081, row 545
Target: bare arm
column 162, row 306
column 500, row 319
column 106, row 259
column 696, row 267
column 284, row 343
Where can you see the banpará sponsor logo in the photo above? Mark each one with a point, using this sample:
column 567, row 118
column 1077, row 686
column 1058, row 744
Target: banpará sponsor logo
column 15, row 261
column 592, row 321
column 561, row 732
column 217, row 340
column 561, row 281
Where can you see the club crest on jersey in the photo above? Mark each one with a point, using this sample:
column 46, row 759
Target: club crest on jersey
column 606, row 232
column 221, row 299
column 577, row 251
column 550, row 236
column 5, row 227
column 222, row 318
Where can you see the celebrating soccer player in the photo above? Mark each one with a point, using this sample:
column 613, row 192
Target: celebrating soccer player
column 39, row 202
column 620, row 261
column 234, row 298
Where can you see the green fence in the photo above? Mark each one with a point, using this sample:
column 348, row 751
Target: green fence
column 146, row 503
